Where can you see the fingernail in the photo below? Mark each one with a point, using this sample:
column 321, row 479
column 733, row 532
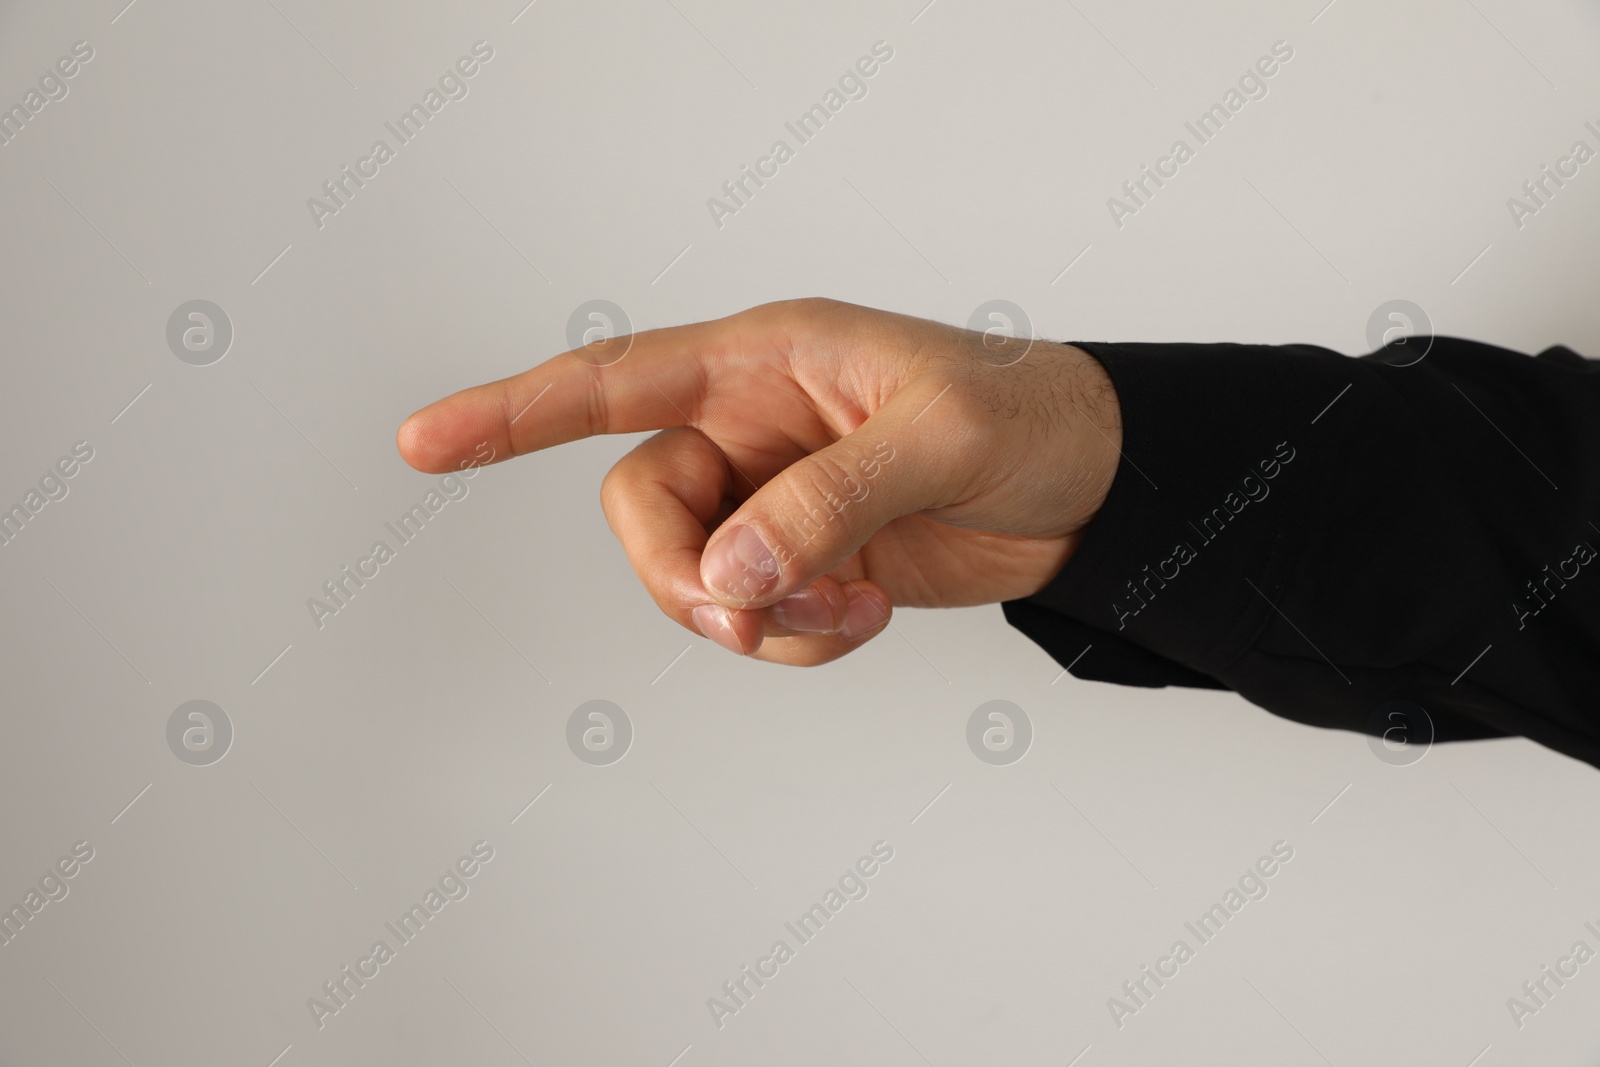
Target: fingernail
column 863, row 616
column 740, row 566
column 715, row 622
column 804, row 612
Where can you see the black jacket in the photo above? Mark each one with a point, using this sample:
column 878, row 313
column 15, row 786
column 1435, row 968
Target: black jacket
column 1327, row 535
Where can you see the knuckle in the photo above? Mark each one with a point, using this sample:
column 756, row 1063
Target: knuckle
column 596, row 413
column 503, row 396
column 801, row 317
column 820, row 490
column 805, row 306
column 815, row 306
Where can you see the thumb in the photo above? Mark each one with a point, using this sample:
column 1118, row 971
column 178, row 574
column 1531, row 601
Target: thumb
column 820, row 510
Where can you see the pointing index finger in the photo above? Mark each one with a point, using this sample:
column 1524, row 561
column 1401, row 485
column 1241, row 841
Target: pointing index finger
column 656, row 382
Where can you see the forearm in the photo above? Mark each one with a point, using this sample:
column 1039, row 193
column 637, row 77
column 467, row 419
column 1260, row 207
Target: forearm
column 1325, row 534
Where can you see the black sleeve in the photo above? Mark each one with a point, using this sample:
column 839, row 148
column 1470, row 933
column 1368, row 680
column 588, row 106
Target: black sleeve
column 1325, row 535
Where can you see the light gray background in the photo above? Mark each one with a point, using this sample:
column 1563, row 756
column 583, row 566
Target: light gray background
column 431, row 711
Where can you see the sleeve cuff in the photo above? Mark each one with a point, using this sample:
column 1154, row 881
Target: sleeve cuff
column 1184, row 554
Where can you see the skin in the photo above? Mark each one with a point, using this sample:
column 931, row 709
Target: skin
column 883, row 460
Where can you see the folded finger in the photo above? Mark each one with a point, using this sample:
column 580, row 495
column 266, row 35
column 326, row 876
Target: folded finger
column 867, row 615
column 659, row 500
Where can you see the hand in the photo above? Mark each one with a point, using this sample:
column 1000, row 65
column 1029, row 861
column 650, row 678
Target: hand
column 817, row 463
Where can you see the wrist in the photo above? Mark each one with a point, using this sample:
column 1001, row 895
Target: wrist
column 1087, row 404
